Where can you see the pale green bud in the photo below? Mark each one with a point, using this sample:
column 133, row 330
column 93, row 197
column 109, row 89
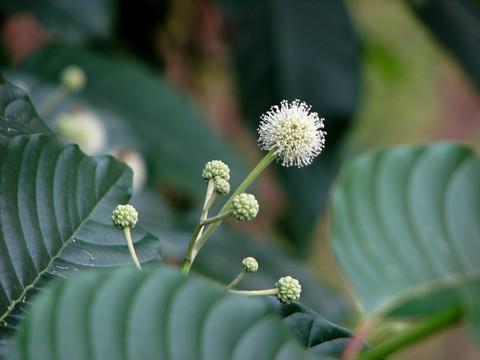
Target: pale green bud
column 222, row 186
column 124, row 215
column 250, row 264
column 73, row 78
column 216, row 168
column 245, row 207
column 289, row 289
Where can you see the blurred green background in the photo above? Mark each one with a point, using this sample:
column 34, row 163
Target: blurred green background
column 174, row 84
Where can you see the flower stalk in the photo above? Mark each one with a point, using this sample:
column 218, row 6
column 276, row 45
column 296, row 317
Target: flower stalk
column 250, row 265
column 196, row 245
column 131, row 248
column 236, row 280
column 214, row 219
column 273, row 291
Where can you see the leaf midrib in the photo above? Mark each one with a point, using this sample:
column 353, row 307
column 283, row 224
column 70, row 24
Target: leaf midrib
column 14, row 303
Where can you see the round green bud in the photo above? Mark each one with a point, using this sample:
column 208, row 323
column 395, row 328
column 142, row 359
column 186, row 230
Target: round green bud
column 245, row 207
column 216, row 168
column 250, row 265
column 124, row 216
column 289, row 289
column 222, row 186
column 73, row 78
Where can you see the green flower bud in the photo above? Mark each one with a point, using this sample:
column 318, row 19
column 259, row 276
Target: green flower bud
column 245, row 207
column 222, row 186
column 73, row 78
column 250, row 265
column 289, row 289
column 124, row 216
column 216, row 168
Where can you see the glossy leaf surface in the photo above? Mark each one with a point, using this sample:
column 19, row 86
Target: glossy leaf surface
column 55, row 218
column 17, row 114
column 405, row 223
column 154, row 314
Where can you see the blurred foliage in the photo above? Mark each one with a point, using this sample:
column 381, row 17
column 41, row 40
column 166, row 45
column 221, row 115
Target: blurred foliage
column 181, row 82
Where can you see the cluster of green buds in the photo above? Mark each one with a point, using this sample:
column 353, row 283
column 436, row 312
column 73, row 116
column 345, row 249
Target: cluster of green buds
column 242, row 206
column 291, row 134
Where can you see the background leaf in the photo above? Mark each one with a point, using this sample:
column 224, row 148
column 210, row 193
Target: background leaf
column 405, row 222
column 17, row 114
column 153, row 314
column 298, row 50
column 455, row 24
column 75, row 21
column 172, row 134
column 55, row 218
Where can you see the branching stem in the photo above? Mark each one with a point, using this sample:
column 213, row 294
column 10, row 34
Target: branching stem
column 433, row 324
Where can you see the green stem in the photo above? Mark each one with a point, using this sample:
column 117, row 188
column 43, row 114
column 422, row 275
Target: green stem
column 435, row 323
column 219, row 217
column 273, row 291
column 209, row 197
column 133, row 254
column 236, row 280
column 251, row 177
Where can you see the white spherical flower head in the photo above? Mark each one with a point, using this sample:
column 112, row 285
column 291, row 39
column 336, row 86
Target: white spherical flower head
column 250, row 264
column 125, row 216
column 293, row 132
column 289, row 289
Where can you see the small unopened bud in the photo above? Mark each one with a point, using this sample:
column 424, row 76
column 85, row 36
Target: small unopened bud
column 289, row 289
column 124, row 216
column 73, row 78
column 216, row 168
column 245, row 207
column 222, row 186
column 250, row 265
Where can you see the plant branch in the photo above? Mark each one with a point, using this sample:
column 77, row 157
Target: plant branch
column 435, row 323
column 195, row 245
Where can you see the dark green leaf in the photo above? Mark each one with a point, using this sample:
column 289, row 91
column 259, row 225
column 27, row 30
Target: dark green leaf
column 177, row 141
column 456, row 25
column 17, row 114
column 405, row 224
column 154, row 314
column 313, row 331
column 74, row 21
column 307, row 50
column 55, row 218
